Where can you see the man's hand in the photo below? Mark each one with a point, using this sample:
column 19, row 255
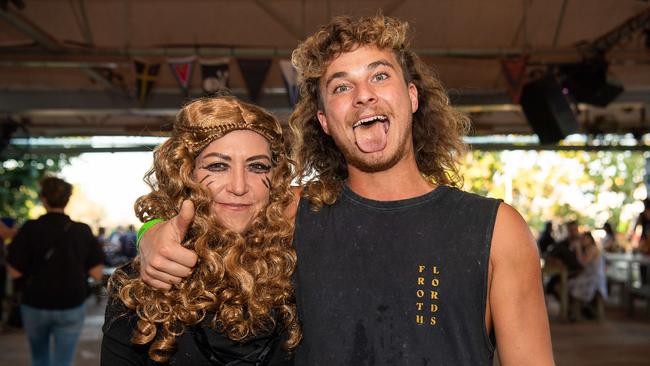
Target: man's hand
column 163, row 260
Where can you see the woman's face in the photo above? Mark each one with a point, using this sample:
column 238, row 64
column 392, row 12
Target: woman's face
column 236, row 168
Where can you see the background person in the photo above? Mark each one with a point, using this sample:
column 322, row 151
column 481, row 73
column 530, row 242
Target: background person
column 591, row 280
column 53, row 256
column 546, row 240
column 643, row 221
column 609, row 242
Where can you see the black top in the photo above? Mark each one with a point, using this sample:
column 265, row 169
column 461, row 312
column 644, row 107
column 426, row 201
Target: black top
column 198, row 345
column 395, row 283
column 54, row 254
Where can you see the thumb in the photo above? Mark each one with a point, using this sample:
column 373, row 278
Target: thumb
column 184, row 219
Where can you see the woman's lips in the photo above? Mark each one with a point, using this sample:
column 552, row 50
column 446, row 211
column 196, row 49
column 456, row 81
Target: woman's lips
column 235, row 206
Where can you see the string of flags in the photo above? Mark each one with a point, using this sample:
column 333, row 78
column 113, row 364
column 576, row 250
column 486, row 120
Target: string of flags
column 514, row 71
column 215, row 75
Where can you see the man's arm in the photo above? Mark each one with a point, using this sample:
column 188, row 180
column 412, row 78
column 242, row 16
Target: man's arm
column 163, row 261
column 516, row 299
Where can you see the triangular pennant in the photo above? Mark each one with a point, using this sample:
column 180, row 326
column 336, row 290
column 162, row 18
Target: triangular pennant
column 290, row 77
column 514, row 70
column 114, row 78
column 145, row 78
column 254, row 72
column 215, row 74
column 182, row 69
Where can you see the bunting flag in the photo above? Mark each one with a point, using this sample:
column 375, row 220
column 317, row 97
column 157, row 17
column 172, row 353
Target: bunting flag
column 182, row 70
column 115, row 79
column 254, row 73
column 215, row 74
column 514, row 70
column 145, row 78
column 290, row 77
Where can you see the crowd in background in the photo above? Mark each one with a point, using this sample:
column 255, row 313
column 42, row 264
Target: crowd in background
column 119, row 245
column 574, row 247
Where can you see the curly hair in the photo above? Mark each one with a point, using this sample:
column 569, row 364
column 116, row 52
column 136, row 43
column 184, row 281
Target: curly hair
column 243, row 279
column 437, row 128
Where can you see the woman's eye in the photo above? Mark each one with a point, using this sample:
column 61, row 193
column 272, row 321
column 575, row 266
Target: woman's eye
column 259, row 168
column 216, row 167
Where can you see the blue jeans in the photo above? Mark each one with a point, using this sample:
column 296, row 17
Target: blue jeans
column 65, row 325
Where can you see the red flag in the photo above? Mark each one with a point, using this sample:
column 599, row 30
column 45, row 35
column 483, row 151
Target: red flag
column 182, row 69
column 514, row 70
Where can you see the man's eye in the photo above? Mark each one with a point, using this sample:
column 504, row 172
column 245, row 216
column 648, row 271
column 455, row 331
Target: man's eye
column 259, row 168
column 381, row 76
column 341, row 88
column 216, row 167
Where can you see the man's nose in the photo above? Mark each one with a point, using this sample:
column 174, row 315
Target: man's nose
column 365, row 94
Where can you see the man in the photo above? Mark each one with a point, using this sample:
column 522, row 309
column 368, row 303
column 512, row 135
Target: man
column 53, row 256
column 394, row 265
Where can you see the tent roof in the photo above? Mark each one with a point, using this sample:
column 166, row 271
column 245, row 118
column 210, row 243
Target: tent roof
column 55, row 55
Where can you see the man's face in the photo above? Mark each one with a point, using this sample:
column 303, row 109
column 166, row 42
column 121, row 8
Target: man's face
column 368, row 108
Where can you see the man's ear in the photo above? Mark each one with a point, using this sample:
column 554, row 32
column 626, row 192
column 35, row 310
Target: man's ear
column 323, row 121
column 413, row 95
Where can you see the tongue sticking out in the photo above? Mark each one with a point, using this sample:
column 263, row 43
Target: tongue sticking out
column 372, row 137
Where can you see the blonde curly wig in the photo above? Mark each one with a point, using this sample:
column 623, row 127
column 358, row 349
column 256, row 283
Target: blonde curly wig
column 244, row 279
column 437, row 128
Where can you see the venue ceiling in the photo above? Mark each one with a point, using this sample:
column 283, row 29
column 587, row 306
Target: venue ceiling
column 66, row 66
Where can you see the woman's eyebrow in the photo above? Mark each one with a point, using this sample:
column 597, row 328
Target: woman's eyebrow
column 259, row 157
column 218, row 155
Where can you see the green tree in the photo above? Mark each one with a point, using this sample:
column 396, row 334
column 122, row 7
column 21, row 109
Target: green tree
column 591, row 187
column 19, row 183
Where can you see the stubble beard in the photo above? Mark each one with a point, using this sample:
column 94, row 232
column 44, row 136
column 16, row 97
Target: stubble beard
column 369, row 164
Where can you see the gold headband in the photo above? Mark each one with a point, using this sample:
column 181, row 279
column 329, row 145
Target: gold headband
column 207, row 119
column 204, row 135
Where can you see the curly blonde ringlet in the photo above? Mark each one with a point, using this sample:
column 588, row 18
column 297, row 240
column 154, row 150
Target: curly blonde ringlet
column 244, row 279
column 438, row 129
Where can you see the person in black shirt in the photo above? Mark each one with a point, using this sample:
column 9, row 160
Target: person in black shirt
column 53, row 257
column 227, row 159
column 546, row 239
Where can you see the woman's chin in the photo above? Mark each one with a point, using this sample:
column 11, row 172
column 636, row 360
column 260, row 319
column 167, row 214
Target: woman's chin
column 240, row 228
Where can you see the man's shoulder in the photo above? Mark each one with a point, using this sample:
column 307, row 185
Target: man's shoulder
column 467, row 195
column 469, row 203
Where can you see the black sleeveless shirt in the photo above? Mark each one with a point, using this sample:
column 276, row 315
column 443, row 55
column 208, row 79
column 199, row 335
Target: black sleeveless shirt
column 395, row 283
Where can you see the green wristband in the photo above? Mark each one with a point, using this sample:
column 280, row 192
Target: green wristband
column 143, row 229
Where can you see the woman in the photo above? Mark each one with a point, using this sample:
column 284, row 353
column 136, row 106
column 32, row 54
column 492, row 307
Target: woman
column 591, row 280
column 237, row 307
